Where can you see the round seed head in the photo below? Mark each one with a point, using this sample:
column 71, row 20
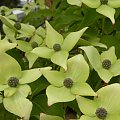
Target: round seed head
column 68, row 83
column 57, row 47
column 101, row 113
column 104, row 2
column 3, row 12
column 26, row 8
column 13, row 82
column 17, row 25
column 34, row 44
column 38, row 4
column 106, row 64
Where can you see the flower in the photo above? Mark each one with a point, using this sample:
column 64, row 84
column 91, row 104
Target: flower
column 33, row 6
column 5, row 11
column 65, row 85
column 18, row 104
column 106, row 64
column 13, row 82
column 35, row 41
column 35, row 36
column 57, row 49
column 12, row 32
column 104, row 106
column 104, row 7
column 12, row 77
column 28, row 7
column 49, row 117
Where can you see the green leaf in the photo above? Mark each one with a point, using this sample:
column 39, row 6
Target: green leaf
column 1, row 98
column 43, row 84
column 89, row 18
column 60, row 58
column 72, row 39
column 92, row 4
column 108, row 27
column 43, row 52
column 16, row 54
column 74, row 105
column 5, row 115
column 52, row 36
column 41, row 106
column 110, row 41
column 78, row 69
column 114, row 4
column 75, row 2
column 55, row 78
column 18, row 105
column 55, row 95
column 84, row 103
column 9, row 68
column 107, row 11
column 82, row 89
column 29, row 76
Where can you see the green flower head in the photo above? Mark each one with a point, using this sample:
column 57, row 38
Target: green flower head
column 12, row 77
column 13, row 82
column 104, row 7
column 65, row 85
column 41, row 4
column 57, row 49
column 106, row 64
column 27, row 8
column 35, row 35
column 104, row 106
column 11, row 28
column 7, row 12
column 36, row 40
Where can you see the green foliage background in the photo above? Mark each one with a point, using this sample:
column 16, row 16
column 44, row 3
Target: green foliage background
column 66, row 18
